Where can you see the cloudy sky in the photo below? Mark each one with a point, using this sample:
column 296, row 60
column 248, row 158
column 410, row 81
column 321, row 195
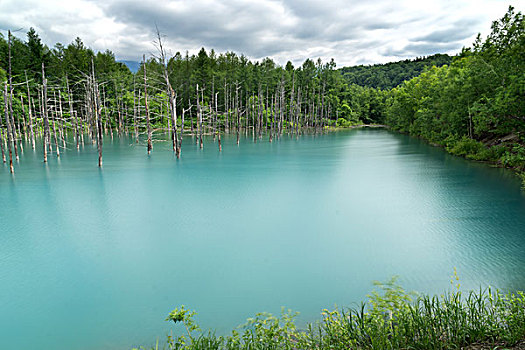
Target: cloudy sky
column 352, row 31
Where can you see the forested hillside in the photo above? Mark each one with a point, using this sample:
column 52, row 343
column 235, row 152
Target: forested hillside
column 389, row 75
column 475, row 106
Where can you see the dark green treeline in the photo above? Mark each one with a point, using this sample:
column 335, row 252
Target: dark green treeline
column 475, row 106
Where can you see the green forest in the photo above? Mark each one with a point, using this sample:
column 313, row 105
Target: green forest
column 472, row 104
column 389, row 75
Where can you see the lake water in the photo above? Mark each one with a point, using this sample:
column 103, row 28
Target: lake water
column 96, row 259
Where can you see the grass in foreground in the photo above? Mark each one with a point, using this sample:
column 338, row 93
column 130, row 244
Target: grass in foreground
column 390, row 319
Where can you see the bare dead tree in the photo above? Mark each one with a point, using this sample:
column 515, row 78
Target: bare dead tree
column 44, row 112
column 172, row 96
column 148, row 126
column 8, row 129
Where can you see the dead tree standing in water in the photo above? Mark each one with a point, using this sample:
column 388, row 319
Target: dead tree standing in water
column 98, row 114
column 8, row 130
column 30, row 116
column 150, row 146
column 11, row 114
column 44, row 112
column 71, row 114
column 172, row 98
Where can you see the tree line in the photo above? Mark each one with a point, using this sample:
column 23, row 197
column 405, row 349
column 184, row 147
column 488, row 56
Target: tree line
column 389, row 75
column 465, row 103
column 474, row 106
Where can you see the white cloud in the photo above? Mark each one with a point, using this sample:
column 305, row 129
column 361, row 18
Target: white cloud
column 351, row 32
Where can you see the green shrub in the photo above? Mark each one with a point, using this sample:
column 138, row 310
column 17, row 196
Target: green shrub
column 515, row 157
column 467, row 147
column 390, row 319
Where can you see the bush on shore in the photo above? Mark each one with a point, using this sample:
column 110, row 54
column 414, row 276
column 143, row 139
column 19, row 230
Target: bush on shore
column 390, row 319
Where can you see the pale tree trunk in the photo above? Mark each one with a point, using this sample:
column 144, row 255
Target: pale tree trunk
column 97, row 106
column 61, row 123
column 237, row 115
column 8, row 130
column 30, row 116
column 71, row 113
column 148, row 126
column 172, row 98
column 53, row 117
column 44, row 113
column 201, row 121
column 12, row 129
column 2, row 141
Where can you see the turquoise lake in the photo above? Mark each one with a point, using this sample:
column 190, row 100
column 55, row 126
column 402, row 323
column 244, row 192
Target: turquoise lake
column 96, row 258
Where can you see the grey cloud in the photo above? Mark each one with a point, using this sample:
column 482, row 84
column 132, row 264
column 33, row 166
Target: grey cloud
column 445, row 36
column 421, row 49
column 350, row 31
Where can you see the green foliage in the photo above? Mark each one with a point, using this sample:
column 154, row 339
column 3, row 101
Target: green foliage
column 343, row 123
column 391, row 319
column 461, row 103
column 467, row 147
column 522, row 175
column 514, row 157
column 476, row 100
column 389, row 75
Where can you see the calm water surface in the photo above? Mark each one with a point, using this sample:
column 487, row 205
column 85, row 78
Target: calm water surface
column 96, row 259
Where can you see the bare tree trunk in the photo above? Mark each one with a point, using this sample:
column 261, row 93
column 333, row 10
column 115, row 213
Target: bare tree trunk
column 53, row 117
column 191, row 122
column 199, row 118
column 98, row 113
column 135, row 110
column 72, row 115
column 24, row 128
column 150, row 146
column 272, row 117
column 2, row 141
column 237, row 115
column 61, row 124
column 44, row 112
column 8, row 130
column 201, row 121
column 225, row 106
column 215, row 117
column 11, row 114
column 30, row 116
column 322, row 105
column 172, row 98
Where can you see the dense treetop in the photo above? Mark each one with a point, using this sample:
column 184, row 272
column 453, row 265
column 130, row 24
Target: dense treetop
column 389, row 75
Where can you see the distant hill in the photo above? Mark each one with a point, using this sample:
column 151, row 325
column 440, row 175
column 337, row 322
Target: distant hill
column 132, row 65
column 389, row 75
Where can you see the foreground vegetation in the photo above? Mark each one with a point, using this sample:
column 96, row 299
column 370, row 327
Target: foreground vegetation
column 390, row 319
